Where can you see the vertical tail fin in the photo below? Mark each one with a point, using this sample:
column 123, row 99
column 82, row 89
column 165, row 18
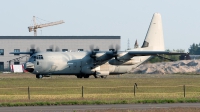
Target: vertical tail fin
column 154, row 38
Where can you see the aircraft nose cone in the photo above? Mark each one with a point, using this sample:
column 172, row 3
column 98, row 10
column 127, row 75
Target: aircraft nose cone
column 29, row 66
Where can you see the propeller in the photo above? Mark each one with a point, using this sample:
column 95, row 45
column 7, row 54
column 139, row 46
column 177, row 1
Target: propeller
column 93, row 53
column 115, row 51
column 97, row 47
column 91, row 47
column 32, row 46
column 117, row 47
column 33, row 49
column 37, row 49
column 111, row 47
column 57, row 49
column 51, row 47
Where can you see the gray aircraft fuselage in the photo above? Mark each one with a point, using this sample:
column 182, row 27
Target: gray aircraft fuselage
column 77, row 63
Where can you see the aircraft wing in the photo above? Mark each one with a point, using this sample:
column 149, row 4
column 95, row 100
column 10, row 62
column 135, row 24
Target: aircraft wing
column 148, row 53
column 20, row 52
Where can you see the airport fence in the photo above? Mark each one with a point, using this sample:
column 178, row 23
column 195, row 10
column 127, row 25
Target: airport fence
column 120, row 92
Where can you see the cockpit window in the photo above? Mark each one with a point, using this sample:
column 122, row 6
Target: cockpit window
column 39, row 57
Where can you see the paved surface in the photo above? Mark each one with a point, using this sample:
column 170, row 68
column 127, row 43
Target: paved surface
column 71, row 108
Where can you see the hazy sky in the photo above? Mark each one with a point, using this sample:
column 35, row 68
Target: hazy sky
column 125, row 18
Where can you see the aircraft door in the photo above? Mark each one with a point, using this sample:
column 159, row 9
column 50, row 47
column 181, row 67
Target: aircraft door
column 38, row 66
column 38, row 63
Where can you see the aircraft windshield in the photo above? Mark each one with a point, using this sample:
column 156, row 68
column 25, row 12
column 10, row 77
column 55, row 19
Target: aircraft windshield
column 40, row 57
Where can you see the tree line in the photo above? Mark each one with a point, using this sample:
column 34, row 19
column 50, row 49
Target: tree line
column 194, row 49
column 171, row 57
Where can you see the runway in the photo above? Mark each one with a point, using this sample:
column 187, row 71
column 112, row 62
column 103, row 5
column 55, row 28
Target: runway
column 71, row 108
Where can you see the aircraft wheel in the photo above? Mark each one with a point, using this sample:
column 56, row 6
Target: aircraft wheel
column 86, row 76
column 95, row 76
column 103, row 77
column 79, row 76
column 39, row 76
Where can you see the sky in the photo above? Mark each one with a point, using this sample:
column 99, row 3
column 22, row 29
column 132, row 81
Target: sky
column 129, row 19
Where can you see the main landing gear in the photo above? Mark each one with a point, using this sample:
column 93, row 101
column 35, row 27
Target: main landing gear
column 83, row 76
column 100, row 76
column 87, row 76
column 39, row 76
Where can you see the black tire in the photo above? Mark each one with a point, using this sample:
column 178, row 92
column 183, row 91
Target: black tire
column 103, row 77
column 38, row 76
column 79, row 76
column 95, row 76
column 86, row 76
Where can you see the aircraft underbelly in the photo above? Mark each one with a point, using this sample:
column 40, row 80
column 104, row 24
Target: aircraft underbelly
column 120, row 69
column 104, row 67
column 112, row 68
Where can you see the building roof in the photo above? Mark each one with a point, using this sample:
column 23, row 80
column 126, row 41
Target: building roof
column 60, row 37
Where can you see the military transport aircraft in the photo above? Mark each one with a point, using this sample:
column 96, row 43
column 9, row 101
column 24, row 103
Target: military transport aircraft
column 98, row 63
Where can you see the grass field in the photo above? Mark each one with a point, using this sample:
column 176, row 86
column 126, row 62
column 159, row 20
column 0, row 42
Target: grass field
column 115, row 89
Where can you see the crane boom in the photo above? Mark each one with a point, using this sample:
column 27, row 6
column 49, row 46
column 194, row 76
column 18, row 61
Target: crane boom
column 50, row 24
column 35, row 27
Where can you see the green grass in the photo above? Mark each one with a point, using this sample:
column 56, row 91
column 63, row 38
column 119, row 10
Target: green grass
column 59, row 90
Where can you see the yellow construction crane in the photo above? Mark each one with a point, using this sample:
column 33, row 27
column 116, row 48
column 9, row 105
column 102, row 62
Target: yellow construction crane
column 35, row 27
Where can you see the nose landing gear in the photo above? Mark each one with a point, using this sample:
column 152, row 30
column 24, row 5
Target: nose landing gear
column 39, row 76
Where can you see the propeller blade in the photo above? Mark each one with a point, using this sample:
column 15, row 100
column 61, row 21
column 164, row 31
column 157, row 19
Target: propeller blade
column 32, row 49
column 111, row 47
column 51, row 47
column 117, row 47
column 57, row 49
column 32, row 46
column 115, row 51
column 91, row 47
column 92, row 52
column 37, row 49
column 97, row 47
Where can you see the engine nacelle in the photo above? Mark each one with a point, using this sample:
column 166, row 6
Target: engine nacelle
column 124, row 56
column 123, row 62
column 102, row 57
